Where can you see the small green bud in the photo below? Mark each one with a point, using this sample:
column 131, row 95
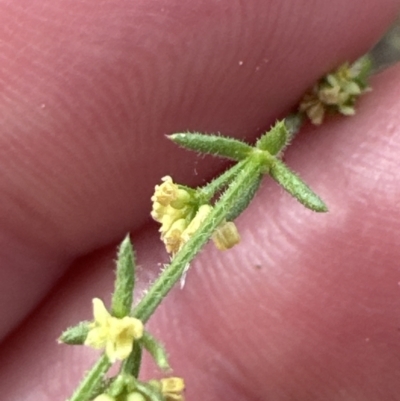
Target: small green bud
column 135, row 396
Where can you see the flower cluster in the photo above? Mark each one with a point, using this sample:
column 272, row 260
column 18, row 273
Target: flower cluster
column 113, row 334
column 336, row 92
column 180, row 216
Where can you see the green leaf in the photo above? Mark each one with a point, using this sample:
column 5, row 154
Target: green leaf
column 213, row 144
column 156, row 350
column 75, row 335
column 293, row 184
column 121, row 302
column 275, row 140
column 207, row 192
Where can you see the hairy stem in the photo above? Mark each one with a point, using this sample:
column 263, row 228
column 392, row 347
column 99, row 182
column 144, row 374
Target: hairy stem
column 173, row 272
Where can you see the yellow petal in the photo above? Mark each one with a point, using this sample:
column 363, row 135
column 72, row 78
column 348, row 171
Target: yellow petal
column 172, row 388
column 226, row 236
column 347, row 110
column 172, row 385
column 118, row 351
column 194, row 225
column 97, row 338
column 121, row 335
column 100, row 312
column 316, row 114
column 166, row 192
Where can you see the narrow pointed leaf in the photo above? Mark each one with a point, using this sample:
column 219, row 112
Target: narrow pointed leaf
column 75, row 335
column 293, row 184
column 121, row 303
column 156, row 350
column 213, row 144
column 217, row 184
column 275, row 140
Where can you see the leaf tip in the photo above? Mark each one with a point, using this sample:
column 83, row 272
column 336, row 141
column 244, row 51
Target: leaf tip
column 176, row 136
column 319, row 206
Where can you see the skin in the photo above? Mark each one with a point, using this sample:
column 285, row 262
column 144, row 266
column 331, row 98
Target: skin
column 306, row 307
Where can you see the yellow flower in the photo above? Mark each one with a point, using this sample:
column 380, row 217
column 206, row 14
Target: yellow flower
column 169, row 193
column 226, row 236
column 172, row 238
column 313, row 107
column 170, row 387
column 337, row 92
column 113, row 334
column 176, row 209
column 195, row 224
column 181, row 216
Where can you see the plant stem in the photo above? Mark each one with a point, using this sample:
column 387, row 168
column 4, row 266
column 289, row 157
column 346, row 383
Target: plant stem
column 293, row 124
column 92, row 380
column 131, row 365
column 175, row 269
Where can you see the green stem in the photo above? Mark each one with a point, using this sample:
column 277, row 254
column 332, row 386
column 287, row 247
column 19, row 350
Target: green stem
column 174, row 271
column 131, row 365
column 293, row 123
column 92, row 380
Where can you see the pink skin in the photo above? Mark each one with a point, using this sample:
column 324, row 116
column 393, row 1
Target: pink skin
column 307, row 306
